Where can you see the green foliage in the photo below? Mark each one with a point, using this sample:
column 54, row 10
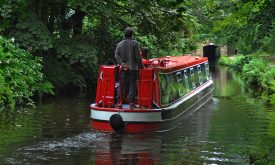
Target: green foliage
column 258, row 157
column 20, row 76
column 235, row 61
column 7, row 11
column 77, row 36
column 269, row 41
column 258, row 74
column 63, row 75
column 244, row 24
column 272, row 89
column 272, row 99
column 271, row 128
column 255, row 72
column 252, row 72
column 225, row 60
column 6, row 95
column 31, row 34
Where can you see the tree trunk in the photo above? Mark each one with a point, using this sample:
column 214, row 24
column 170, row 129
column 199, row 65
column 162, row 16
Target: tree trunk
column 44, row 13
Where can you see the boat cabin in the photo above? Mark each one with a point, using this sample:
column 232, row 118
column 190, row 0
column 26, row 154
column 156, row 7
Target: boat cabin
column 161, row 83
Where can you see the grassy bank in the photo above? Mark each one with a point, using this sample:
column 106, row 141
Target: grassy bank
column 258, row 72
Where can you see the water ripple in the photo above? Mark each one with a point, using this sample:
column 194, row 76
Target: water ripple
column 51, row 150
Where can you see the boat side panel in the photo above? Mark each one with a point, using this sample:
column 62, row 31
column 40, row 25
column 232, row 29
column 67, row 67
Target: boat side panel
column 101, row 125
column 174, row 119
column 142, row 127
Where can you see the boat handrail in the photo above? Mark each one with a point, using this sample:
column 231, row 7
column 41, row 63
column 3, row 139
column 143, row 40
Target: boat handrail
column 161, row 62
column 120, row 87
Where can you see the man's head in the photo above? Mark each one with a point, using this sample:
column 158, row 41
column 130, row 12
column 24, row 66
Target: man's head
column 128, row 32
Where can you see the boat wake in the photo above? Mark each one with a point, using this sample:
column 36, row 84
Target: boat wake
column 78, row 141
column 54, row 149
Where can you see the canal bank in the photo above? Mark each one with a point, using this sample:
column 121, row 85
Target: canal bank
column 258, row 73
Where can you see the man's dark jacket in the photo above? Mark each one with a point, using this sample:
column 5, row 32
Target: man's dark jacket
column 127, row 53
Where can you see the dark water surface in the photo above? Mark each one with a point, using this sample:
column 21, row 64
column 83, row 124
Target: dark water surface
column 232, row 129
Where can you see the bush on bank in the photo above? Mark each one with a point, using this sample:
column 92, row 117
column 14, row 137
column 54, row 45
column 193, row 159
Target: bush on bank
column 256, row 72
column 20, row 76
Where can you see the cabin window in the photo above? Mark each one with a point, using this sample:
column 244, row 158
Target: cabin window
column 200, row 75
column 183, row 87
column 164, row 90
column 188, row 82
column 169, row 88
column 178, row 75
column 172, row 87
column 193, row 80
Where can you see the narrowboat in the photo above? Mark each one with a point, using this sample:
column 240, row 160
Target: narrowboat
column 167, row 89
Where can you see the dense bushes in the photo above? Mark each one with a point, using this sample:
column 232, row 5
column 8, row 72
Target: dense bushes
column 74, row 37
column 256, row 73
column 20, row 76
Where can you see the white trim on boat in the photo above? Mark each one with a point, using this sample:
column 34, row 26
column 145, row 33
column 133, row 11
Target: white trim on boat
column 127, row 116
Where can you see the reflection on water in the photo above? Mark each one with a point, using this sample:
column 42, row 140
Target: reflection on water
column 232, row 129
column 128, row 149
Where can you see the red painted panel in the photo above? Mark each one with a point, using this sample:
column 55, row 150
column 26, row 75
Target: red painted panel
column 142, row 127
column 117, row 157
column 145, row 87
column 101, row 125
column 129, row 127
column 98, row 86
column 105, row 92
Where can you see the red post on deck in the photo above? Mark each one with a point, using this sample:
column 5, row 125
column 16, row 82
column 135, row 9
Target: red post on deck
column 145, row 88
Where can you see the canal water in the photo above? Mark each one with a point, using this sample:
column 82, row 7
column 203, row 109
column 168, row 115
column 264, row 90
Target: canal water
column 233, row 128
